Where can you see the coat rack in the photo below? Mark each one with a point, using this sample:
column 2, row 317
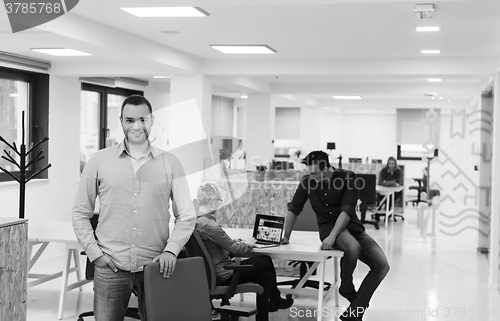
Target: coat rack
column 22, row 153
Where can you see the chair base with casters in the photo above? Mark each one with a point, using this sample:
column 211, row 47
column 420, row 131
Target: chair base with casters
column 131, row 313
column 303, row 267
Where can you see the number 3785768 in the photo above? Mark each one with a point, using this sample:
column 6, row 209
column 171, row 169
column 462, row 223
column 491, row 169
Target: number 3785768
column 33, row 7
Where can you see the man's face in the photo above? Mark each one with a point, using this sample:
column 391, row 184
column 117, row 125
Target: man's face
column 136, row 123
column 315, row 173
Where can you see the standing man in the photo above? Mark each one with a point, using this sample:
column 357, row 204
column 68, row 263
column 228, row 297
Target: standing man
column 333, row 197
column 134, row 182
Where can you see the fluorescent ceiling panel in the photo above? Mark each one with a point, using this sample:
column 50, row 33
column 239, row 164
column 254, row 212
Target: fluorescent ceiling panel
column 430, row 51
column 60, row 52
column 347, row 97
column 244, row 49
column 170, row 12
column 434, row 79
column 428, row 29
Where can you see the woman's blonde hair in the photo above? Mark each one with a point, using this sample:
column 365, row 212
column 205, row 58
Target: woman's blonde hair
column 208, row 192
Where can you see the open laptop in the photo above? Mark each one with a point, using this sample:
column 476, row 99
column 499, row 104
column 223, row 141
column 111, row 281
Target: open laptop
column 268, row 230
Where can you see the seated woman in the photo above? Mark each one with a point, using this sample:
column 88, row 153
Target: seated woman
column 390, row 176
column 221, row 246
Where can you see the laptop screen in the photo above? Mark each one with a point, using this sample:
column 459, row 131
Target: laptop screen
column 268, row 228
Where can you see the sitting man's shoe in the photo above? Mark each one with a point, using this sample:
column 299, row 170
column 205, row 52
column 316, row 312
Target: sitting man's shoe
column 280, row 303
column 350, row 296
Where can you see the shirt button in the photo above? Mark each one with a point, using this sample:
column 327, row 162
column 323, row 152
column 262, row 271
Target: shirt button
column 330, row 213
column 326, row 194
column 326, row 204
column 133, row 245
column 135, row 212
column 135, row 194
column 133, row 228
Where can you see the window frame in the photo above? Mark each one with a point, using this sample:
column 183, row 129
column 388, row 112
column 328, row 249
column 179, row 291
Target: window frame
column 103, row 92
column 38, row 118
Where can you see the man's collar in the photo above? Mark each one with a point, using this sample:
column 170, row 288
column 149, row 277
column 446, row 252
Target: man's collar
column 122, row 147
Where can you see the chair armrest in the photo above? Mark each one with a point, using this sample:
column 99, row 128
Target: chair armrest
column 239, row 311
column 237, row 268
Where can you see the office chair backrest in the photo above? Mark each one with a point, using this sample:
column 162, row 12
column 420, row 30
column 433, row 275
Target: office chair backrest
column 184, row 296
column 367, row 186
column 196, row 248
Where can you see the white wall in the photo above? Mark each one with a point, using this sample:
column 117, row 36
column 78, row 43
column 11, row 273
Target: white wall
column 52, row 199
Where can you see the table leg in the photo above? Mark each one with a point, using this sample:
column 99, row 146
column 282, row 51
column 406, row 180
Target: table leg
column 321, row 289
column 76, row 258
column 64, row 283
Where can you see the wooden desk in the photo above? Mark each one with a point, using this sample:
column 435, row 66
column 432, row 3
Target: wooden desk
column 388, row 194
column 43, row 233
column 304, row 246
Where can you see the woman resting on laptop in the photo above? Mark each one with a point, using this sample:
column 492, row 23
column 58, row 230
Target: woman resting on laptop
column 221, row 246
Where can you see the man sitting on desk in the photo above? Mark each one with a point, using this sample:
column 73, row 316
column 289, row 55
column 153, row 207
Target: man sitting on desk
column 333, row 198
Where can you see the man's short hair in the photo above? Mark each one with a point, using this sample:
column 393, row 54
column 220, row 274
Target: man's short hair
column 317, row 157
column 136, row 100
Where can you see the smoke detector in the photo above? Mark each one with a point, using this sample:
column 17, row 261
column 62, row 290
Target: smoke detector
column 424, row 10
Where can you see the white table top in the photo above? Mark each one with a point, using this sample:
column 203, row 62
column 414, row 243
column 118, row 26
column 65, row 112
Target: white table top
column 389, row 189
column 304, row 245
column 52, row 231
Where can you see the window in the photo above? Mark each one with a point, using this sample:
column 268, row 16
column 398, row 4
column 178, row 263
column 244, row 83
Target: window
column 29, row 92
column 100, row 117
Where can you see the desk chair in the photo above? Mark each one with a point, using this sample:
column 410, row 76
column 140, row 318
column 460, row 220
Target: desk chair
column 196, row 248
column 89, row 275
column 367, row 186
column 306, row 221
column 184, row 296
column 420, row 188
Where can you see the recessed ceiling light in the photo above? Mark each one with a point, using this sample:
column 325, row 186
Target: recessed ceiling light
column 244, row 96
column 161, row 77
column 171, row 12
column 60, row 52
column 347, row 97
column 170, row 32
column 430, row 51
column 433, row 79
column 244, row 49
column 13, row 95
column 428, row 29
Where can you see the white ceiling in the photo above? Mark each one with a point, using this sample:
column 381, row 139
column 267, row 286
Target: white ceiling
column 355, row 47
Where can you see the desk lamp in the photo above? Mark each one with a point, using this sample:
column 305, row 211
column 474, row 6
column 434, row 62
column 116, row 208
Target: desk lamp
column 331, row 146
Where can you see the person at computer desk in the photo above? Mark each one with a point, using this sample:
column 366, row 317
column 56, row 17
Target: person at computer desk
column 333, row 198
column 221, row 247
column 390, row 175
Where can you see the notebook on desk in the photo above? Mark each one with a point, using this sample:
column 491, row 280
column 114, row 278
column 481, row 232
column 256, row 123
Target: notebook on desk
column 267, row 230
